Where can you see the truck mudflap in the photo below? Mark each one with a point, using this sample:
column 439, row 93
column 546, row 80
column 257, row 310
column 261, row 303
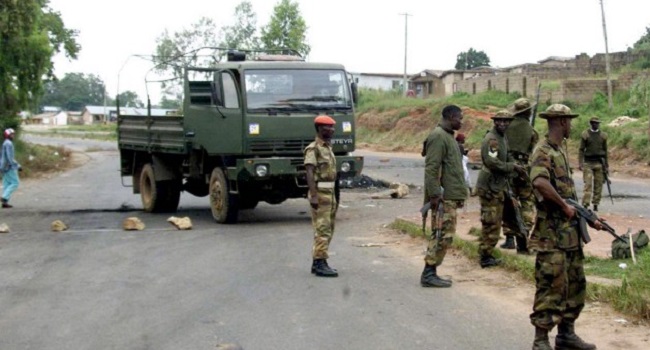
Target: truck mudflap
column 266, row 168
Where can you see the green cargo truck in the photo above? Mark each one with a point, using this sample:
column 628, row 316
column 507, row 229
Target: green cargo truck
column 241, row 135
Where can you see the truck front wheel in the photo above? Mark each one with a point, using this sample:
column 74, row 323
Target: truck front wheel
column 224, row 205
column 158, row 196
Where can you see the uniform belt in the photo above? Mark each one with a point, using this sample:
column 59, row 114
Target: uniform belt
column 325, row 184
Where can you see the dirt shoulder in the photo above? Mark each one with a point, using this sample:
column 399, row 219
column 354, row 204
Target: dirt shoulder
column 598, row 323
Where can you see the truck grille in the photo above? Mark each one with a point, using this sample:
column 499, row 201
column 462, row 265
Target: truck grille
column 279, row 146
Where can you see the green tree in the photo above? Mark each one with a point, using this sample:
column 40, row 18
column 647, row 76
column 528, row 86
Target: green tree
column 129, row 99
column 287, row 29
column 31, row 33
column 170, row 103
column 74, row 91
column 242, row 35
column 471, row 59
column 177, row 50
column 642, row 48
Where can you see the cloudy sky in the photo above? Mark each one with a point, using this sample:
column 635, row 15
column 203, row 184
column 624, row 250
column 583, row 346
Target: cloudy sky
column 365, row 36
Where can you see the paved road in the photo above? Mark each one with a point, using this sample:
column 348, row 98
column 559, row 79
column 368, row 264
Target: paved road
column 98, row 287
column 631, row 196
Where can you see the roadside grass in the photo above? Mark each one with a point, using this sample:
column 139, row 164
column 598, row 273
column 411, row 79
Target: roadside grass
column 632, row 297
column 631, row 139
column 100, row 133
column 38, row 159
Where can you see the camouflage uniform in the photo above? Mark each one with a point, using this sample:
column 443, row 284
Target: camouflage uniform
column 522, row 138
column 559, row 271
column 320, row 154
column 443, row 169
column 593, row 160
column 491, row 187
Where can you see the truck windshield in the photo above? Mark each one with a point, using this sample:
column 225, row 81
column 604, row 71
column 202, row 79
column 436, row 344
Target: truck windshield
column 296, row 90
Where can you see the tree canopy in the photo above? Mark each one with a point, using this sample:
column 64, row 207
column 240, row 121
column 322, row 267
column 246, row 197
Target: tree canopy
column 242, row 34
column 642, row 47
column 471, row 59
column 31, row 33
column 74, row 91
column 287, row 29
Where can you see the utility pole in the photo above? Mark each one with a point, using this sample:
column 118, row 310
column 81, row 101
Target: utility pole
column 609, row 80
column 406, row 21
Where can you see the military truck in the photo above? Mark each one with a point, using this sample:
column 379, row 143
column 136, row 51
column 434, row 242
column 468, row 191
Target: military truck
column 241, row 134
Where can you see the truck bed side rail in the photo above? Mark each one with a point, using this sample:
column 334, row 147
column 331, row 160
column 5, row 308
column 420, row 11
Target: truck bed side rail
column 152, row 134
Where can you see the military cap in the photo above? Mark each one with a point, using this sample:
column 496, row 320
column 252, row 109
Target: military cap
column 503, row 114
column 594, row 120
column 324, row 120
column 521, row 105
column 557, row 111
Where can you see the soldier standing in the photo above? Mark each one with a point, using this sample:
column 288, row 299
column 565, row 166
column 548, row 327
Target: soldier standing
column 592, row 158
column 443, row 169
column 559, row 267
column 522, row 138
column 320, row 165
column 491, row 185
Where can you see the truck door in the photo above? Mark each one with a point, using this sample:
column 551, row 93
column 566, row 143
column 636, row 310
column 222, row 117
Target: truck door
column 216, row 125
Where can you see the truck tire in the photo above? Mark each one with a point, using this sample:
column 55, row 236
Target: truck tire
column 224, row 205
column 158, row 196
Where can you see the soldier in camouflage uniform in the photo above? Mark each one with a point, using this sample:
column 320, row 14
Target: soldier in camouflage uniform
column 443, row 169
column 522, row 138
column 592, row 160
column 498, row 168
column 559, row 270
column 320, row 164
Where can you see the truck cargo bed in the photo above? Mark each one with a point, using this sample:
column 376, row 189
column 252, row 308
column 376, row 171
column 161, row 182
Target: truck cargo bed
column 152, row 134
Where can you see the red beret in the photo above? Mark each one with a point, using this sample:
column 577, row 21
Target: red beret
column 460, row 137
column 324, row 120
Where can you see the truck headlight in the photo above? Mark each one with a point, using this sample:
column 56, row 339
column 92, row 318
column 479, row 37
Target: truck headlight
column 261, row 170
column 345, row 167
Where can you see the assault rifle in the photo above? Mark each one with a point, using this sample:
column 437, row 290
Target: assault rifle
column 516, row 206
column 607, row 180
column 437, row 232
column 586, row 215
column 533, row 112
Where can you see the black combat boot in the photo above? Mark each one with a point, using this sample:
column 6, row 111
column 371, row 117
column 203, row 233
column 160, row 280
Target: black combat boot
column 509, row 243
column 522, row 245
column 541, row 340
column 567, row 339
column 313, row 266
column 430, row 278
column 320, row 268
column 5, row 203
column 489, row 261
column 595, row 207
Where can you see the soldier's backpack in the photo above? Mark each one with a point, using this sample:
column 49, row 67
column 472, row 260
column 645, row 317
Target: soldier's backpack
column 621, row 250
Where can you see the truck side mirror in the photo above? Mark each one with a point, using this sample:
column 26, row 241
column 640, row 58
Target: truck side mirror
column 216, row 92
column 355, row 92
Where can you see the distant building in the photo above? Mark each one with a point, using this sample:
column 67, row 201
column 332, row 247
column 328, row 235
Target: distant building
column 378, row 81
column 100, row 114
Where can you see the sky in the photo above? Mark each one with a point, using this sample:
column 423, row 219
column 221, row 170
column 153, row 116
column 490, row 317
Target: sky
column 366, row 36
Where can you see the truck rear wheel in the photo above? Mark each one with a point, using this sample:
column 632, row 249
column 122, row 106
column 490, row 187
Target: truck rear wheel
column 224, row 205
column 158, row 196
